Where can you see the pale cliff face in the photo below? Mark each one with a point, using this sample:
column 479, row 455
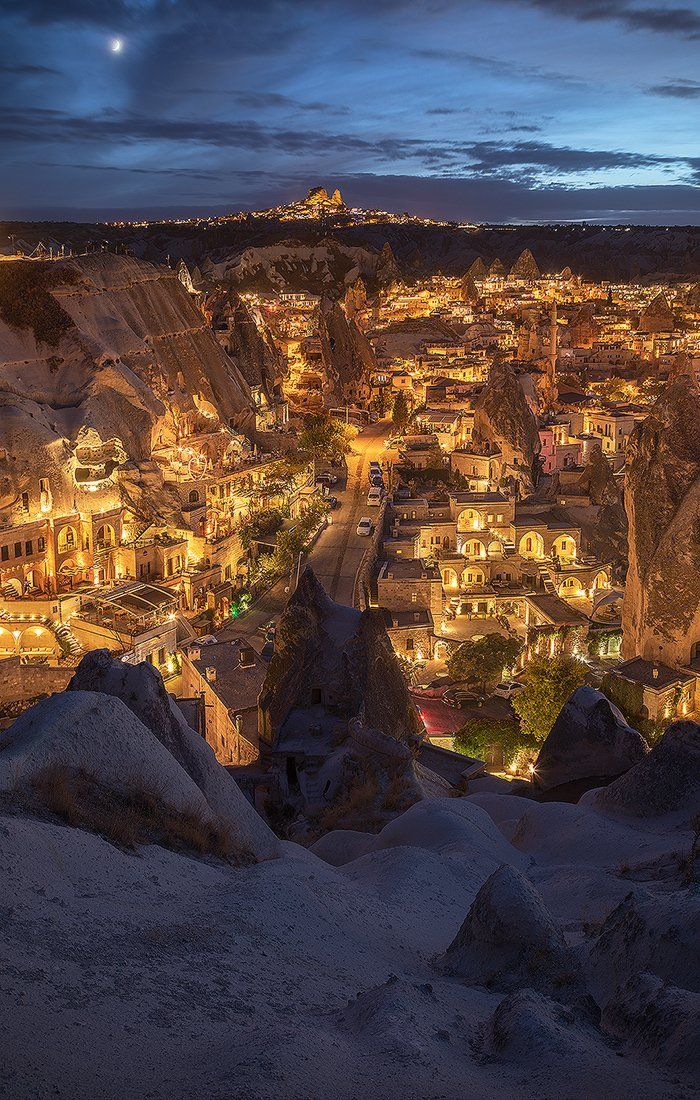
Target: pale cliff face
column 661, row 608
column 137, row 357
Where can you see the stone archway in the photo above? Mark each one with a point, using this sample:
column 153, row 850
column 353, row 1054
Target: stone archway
column 531, row 545
column 564, row 546
column 468, row 520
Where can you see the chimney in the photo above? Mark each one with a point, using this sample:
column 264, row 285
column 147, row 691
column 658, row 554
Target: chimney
column 194, row 652
column 211, row 675
column 655, row 672
column 246, row 656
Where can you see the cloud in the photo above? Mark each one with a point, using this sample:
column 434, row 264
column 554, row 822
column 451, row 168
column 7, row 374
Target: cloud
column 496, row 67
column 187, row 172
column 677, row 89
column 28, row 70
column 658, row 19
column 259, row 101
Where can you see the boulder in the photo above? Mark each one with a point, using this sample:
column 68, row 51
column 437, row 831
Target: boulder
column 509, row 940
column 666, row 781
column 141, row 689
column 656, row 1021
column 646, row 934
column 589, row 739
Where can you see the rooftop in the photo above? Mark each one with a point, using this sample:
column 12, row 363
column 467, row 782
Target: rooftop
column 640, row 671
column 237, row 687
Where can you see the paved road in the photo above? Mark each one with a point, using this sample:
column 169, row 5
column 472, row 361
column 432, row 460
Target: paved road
column 337, row 553
column 443, row 721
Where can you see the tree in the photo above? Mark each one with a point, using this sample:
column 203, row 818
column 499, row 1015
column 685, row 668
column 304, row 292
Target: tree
column 481, row 663
column 478, row 734
column 324, row 438
column 399, row 415
column 550, row 682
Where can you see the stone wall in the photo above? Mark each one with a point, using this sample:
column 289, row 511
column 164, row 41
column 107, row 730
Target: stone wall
column 19, row 683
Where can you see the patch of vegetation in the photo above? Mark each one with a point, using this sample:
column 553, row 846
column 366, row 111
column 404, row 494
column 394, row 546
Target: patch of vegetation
column 266, row 522
column 478, row 735
column 482, row 663
column 324, row 438
column 129, row 819
column 550, row 682
column 26, row 301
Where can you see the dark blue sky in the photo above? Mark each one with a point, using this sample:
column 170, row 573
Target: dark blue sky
column 485, row 110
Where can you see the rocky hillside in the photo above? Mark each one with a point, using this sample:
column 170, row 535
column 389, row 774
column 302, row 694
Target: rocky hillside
column 485, row 946
column 128, row 357
column 594, row 251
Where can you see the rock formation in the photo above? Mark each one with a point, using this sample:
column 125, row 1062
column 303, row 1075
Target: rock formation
column 659, row 1021
column 661, row 608
column 657, row 316
column 387, row 270
column 249, row 344
column 666, row 781
column 469, row 291
column 503, row 419
column 589, row 739
column 509, row 940
column 583, row 330
column 335, row 702
column 117, row 725
column 525, row 267
column 477, row 270
column 340, row 654
column 347, row 355
column 135, row 360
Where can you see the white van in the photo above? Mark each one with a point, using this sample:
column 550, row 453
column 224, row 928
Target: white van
column 374, row 496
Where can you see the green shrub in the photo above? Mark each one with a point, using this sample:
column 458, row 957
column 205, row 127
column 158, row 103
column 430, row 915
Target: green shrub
column 478, row 734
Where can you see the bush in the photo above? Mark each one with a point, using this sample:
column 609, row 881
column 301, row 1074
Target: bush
column 478, row 734
column 550, row 682
column 265, row 522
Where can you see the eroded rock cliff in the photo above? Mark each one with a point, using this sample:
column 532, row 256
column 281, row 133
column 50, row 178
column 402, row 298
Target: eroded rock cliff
column 661, row 608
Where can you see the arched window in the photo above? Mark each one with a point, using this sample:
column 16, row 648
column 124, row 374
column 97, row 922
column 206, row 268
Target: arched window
column 105, row 536
column 194, row 496
column 67, row 540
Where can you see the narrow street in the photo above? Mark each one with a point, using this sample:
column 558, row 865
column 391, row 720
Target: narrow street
column 338, row 551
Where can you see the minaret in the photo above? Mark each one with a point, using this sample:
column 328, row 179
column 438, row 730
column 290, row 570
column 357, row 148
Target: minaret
column 552, row 372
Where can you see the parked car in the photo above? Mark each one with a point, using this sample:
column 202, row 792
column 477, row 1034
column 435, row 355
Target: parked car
column 377, row 482
column 434, row 688
column 326, row 479
column 508, row 689
column 460, row 698
column 374, row 496
column 333, row 502
column 392, row 443
column 365, row 526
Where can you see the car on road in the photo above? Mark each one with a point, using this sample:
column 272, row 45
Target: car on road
column 508, row 689
column 332, row 502
column 461, row 698
column 365, row 526
column 326, row 479
column 374, row 496
column 434, row 688
column 377, row 482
